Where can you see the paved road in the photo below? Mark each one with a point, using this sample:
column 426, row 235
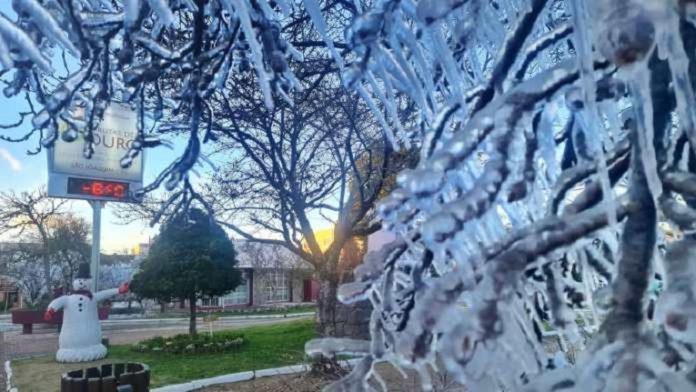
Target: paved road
column 45, row 341
column 139, row 323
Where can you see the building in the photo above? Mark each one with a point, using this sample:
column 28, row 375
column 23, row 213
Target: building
column 10, row 288
column 272, row 275
column 141, row 249
column 9, row 295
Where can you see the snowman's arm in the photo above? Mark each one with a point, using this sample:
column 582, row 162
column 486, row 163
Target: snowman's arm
column 58, row 303
column 105, row 294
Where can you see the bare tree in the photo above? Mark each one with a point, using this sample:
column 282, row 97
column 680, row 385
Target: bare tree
column 117, row 269
column 68, row 246
column 31, row 214
column 18, row 264
column 166, row 59
column 27, row 258
column 291, row 170
column 180, row 63
column 317, row 158
column 294, row 171
column 267, row 259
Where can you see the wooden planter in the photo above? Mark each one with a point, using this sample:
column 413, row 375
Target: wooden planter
column 107, row 378
column 30, row 317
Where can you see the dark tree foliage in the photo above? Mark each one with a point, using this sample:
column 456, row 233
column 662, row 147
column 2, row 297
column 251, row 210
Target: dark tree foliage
column 192, row 258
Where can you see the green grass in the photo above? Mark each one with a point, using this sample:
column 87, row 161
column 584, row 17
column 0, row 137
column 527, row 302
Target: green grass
column 250, row 312
column 266, row 347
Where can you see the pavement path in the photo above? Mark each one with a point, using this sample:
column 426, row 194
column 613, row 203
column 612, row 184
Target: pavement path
column 2, row 361
column 45, row 340
column 125, row 323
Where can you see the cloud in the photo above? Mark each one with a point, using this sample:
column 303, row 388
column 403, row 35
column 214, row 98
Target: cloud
column 14, row 163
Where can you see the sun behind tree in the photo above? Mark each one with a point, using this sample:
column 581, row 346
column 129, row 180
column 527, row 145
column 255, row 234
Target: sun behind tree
column 192, row 258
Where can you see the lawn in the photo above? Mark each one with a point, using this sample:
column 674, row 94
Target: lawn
column 265, row 311
column 239, row 312
column 266, row 347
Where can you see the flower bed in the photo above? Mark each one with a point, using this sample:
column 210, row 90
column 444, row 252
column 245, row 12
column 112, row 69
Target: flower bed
column 186, row 344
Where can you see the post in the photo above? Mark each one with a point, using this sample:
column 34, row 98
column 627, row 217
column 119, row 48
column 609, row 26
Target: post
column 96, row 236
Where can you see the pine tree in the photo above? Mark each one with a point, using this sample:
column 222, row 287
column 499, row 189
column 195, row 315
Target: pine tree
column 192, row 258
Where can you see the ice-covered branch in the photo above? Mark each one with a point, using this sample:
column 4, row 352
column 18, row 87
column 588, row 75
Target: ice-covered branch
column 159, row 57
column 513, row 214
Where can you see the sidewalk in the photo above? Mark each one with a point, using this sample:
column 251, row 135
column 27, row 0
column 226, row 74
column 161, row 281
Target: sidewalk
column 111, row 321
column 116, row 323
column 2, row 361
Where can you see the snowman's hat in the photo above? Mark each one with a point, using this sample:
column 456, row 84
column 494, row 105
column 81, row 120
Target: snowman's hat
column 83, row 271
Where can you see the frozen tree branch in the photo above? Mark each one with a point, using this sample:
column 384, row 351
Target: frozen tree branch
column 499, row 232
column 547, row 142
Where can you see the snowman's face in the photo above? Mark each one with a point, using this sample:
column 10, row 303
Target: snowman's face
column 81, row 284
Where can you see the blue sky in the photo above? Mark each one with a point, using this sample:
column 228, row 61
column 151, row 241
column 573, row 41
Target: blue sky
column 21, row 172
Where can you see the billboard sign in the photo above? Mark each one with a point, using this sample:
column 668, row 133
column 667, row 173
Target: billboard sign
column 101, row 177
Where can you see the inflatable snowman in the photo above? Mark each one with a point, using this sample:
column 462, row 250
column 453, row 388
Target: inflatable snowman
column 80, row 336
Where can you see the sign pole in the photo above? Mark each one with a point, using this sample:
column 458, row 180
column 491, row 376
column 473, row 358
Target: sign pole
column 96, row 237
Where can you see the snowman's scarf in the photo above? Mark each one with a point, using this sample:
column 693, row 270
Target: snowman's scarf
column 86, row 293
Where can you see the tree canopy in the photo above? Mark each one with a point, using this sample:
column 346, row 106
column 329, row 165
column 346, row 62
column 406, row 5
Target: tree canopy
column 191, row 258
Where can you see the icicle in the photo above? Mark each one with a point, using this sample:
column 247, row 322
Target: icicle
column 640, row 82
column 163, row 12
column 242, row 12
column 424, row 69
column 62, row 94
column 268, row 11
column 378, row 113
column 47, row 24
column 15, row 36
column 5, row 58
column 314, row 10
column 131, row 10
column 444, row 57
column 585, row 59
column 670, row 42
column 388, row 101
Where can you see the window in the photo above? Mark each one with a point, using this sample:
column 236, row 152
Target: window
column 240, row 295
column 277, row 286
column 210, row 302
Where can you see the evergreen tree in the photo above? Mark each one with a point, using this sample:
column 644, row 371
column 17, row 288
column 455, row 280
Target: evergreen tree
column 192, row 258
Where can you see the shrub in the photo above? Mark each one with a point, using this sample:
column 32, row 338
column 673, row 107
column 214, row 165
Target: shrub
column 187, row 344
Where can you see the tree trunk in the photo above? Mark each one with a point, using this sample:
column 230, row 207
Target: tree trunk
column 192, row 316
column 47, row 274
column 336, row 319
column 45, row 259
